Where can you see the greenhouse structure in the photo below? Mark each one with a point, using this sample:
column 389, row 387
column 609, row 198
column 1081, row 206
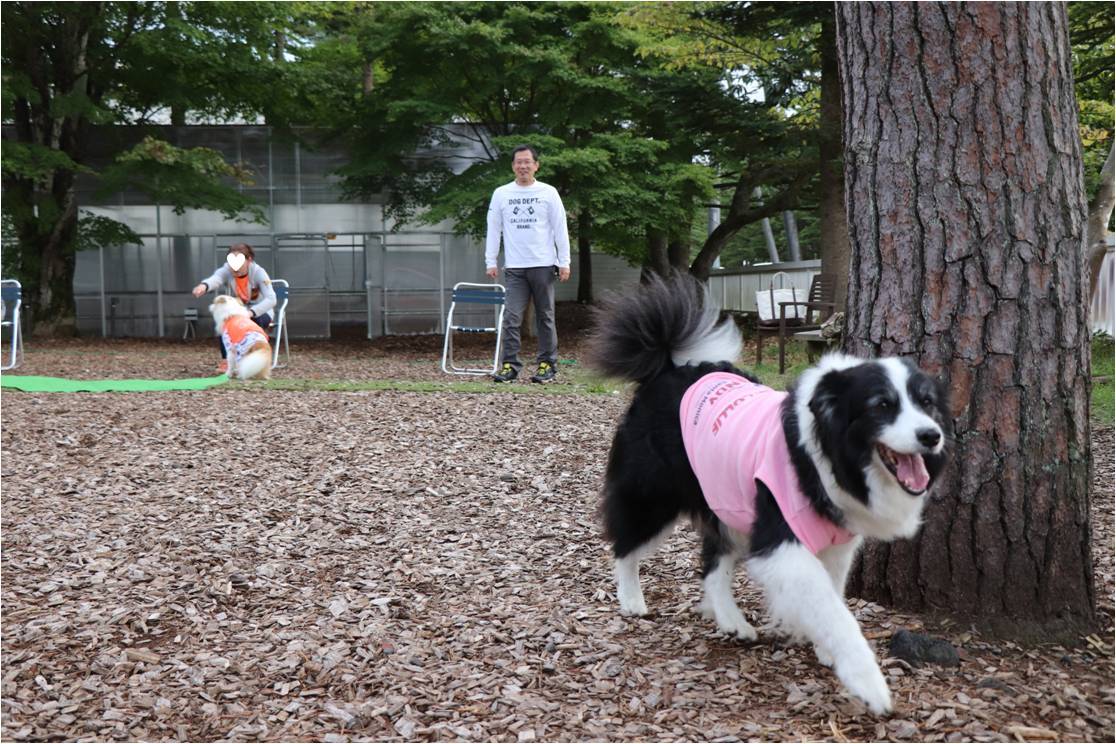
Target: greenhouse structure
column 350, row 271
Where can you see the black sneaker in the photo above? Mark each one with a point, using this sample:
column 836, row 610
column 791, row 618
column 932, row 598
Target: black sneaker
column 507, row 373
column 545, row 372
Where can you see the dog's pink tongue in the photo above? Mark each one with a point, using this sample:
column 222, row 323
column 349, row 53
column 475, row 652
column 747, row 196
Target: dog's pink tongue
column 912, row 472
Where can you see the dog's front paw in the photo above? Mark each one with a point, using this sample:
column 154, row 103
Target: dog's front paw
column 824, row 657
column 631, row 600
column 705, row 609
column 867, row 682
column 633, row 607
column 738, row 627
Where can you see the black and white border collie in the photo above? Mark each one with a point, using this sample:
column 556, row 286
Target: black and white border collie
column 866, row 439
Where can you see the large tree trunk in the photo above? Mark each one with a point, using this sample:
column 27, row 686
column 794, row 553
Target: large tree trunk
column 55, row 309
column 967, row 221
column 834, row 235
column 46, row 254
column 46, row 216
column 584, row 257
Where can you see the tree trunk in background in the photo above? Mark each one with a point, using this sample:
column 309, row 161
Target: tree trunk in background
column 1100, row 212
column 790, row 229
column 658, row 259
column 279, row 49
column 584, row 257
column 967, row 220
column 369, row 82
column 46, row 255
column 678, row 254
column 47, row 225
column 834, row 238
column 768, row 235
column 55, row 311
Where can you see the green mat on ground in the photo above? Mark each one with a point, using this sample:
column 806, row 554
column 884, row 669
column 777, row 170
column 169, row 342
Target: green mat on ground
column 37, row 384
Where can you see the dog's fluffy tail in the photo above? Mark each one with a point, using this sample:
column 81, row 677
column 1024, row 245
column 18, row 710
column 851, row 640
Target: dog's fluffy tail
column 671, row 322
column 256, row 364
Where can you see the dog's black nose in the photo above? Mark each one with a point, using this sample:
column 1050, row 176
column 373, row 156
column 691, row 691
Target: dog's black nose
column 928, row 437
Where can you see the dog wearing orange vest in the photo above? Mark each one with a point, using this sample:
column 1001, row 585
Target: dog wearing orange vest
column 246, row 344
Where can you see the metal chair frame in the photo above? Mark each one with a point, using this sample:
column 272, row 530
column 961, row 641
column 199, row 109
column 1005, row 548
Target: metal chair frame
column 475, row 294
column 282, row 297
column 12, row 291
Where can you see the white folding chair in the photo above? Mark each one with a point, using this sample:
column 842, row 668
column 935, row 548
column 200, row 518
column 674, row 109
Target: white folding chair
column 490, row 295
column 12, row 293
column 282, row 296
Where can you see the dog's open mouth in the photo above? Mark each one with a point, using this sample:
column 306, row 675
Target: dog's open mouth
column 909, row 469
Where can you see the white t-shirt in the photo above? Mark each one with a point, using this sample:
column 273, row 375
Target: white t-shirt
column 533, row 222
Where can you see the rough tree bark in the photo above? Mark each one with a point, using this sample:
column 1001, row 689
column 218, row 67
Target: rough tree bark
column 967, row 212
column 833, row 240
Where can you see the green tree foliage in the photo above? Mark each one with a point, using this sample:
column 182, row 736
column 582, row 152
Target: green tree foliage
column 645, row 113
column 70, row 66
column 476, row 79
column 763, row 132
column 183, row 179
column 1091, row 39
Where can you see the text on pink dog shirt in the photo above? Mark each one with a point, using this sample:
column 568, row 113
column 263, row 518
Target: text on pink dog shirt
column 732, row 429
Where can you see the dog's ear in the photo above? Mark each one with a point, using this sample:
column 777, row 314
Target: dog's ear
column 826, row 403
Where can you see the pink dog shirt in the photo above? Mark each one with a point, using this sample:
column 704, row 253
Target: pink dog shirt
column 733, row 432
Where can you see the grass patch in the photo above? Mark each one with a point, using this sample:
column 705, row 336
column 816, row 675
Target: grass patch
column 574, row 379
column 1103, row 410
column 480, row 387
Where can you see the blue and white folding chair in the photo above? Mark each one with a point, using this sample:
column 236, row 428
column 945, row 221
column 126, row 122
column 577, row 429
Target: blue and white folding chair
column 467, row 293
column 282, row 295
column 12, row 292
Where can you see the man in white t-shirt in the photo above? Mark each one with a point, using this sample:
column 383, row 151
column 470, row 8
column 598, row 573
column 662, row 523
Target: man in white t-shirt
column 530, row 216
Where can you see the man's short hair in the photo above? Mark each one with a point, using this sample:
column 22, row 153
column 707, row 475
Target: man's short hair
column 528, row 148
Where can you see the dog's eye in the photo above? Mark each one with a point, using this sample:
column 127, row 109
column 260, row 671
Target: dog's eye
column 883, row 404
column 927, row 401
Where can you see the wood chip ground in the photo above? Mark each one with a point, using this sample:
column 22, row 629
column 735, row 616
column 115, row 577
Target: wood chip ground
column 240, row 564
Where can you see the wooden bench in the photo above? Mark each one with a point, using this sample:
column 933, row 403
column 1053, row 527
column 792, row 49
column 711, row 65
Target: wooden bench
column 816, row 344
column 818, row 305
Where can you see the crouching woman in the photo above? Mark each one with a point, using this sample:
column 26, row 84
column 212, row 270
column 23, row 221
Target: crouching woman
column 251, row 283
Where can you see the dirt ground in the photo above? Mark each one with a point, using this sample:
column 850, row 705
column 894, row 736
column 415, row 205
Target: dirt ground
column 351, row 358
column 251, row 564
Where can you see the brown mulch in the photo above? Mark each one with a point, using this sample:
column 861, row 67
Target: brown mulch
column 348, row 358
column 412, row 358
column 274, row 565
